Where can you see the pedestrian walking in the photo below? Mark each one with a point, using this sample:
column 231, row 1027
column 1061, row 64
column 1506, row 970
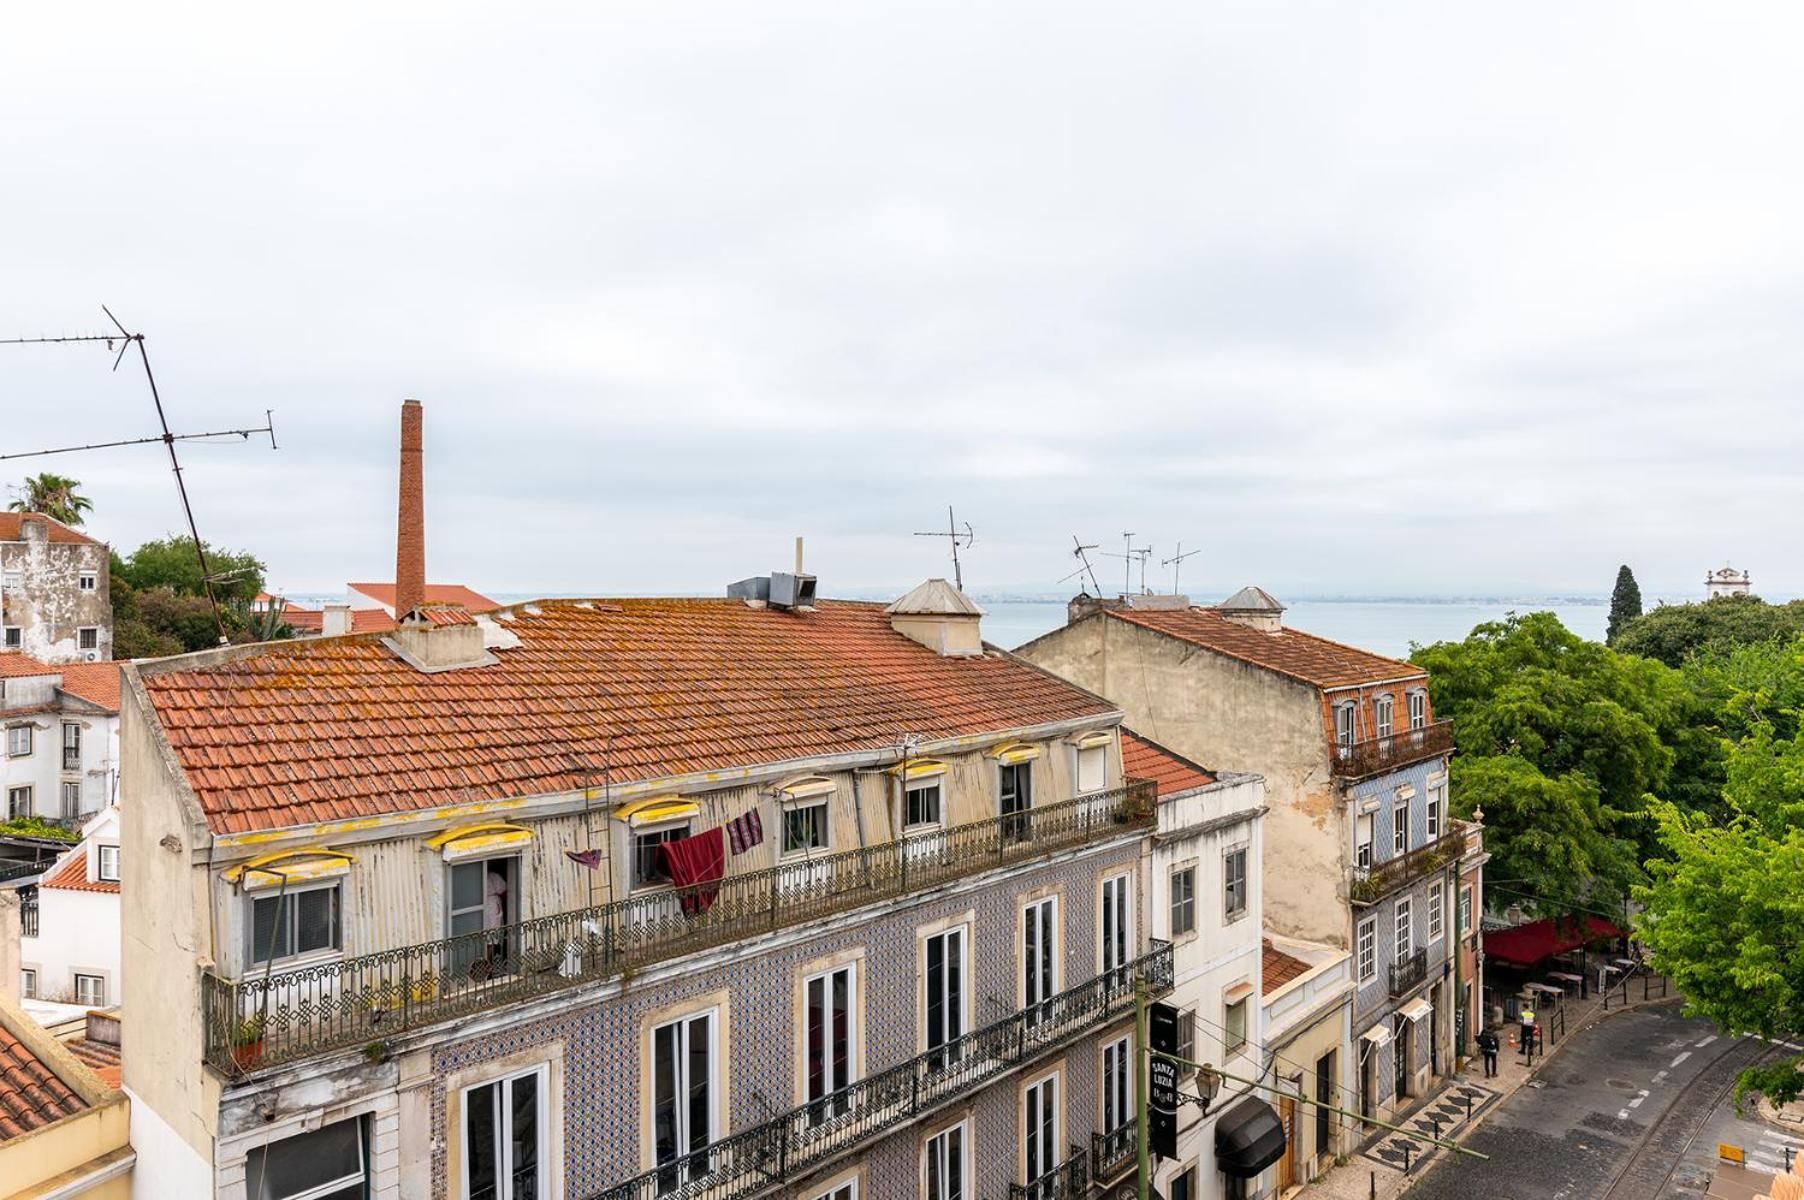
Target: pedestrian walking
column 1528, row 1032
column 1488, row 1045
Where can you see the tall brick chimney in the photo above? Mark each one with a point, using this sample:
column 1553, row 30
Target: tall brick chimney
column 410, row 535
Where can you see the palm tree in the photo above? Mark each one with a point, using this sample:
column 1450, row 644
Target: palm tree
column 55, row 497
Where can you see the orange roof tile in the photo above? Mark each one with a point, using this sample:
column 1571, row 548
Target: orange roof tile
column 102, row 1058
column 435, row 593
column 1142, row 758
column 314, row 730
column 97, row 683
column 14, row 665
column 72, row 876
column 31, row 1094
column 303, row 620
column 1301, row 656
column 12, row 530
column 1277, row 968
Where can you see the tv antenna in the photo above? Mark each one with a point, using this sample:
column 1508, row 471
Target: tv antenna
column 1131, row 554
column 966, row 537
column 127, row 340
column 1176, row 561
column 1081, row 552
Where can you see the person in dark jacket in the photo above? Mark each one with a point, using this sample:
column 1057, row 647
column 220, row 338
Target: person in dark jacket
column 1488, row 1045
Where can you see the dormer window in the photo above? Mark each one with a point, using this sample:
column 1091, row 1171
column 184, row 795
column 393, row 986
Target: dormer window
column 1343, row 724
column 923, row 806
column 1381, row 716
column 106, row 864
column 1418, row 709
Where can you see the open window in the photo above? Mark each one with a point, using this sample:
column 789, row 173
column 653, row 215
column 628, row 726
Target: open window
column 330, row 1163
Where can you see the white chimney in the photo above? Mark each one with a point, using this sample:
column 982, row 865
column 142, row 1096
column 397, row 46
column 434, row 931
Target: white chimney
column 1255, row 608
column 335, row 619
column 940, row 617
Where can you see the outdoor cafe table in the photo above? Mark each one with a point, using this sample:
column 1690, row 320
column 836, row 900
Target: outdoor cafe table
column 1567, row 978
column 1547, row 990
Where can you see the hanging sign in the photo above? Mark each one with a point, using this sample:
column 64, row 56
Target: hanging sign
column 1162, row 1081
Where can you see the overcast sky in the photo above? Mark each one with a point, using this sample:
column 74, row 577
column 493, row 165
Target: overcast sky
column 1357, row 299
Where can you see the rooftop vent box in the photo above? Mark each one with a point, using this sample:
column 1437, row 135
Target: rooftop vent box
column 755, row 588
column 791, row 591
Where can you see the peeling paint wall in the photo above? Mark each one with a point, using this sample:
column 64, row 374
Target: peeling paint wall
column 41, row 596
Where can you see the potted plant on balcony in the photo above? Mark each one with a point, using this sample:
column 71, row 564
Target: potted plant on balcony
column 247, row 1043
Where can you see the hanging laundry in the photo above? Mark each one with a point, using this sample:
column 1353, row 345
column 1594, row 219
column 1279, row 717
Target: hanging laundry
column 696, row 866
column 745, row 831
column 588, row 858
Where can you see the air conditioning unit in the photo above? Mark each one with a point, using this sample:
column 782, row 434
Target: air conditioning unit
column 92, row 656
column 791, row 591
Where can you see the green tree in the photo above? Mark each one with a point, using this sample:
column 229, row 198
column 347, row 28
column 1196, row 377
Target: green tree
column 1672, row 633
column 1563, row 742
column 54, row 496
column 1625, row 603
column 171, row 563
column 160, row 606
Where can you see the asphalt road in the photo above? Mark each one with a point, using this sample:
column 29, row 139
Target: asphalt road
column 1631, row 1109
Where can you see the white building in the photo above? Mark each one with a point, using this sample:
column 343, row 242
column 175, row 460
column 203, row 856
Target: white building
column 1726, row 581
column 59, row 757
column 70, row 952
column 54, row 597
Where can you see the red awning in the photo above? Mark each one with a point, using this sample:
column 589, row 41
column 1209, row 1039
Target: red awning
column 1526, row 945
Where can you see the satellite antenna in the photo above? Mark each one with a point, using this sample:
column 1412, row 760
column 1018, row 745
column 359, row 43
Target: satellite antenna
column 1175, row 562
column 967, row 536
column 1081, row 552
column 127, row 340
column 1131, row 554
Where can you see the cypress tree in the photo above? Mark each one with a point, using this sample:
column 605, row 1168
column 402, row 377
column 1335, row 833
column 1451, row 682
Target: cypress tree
column 1625, row 603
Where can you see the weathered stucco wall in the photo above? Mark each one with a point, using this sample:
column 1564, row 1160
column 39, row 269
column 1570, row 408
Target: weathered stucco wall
column 48, row 605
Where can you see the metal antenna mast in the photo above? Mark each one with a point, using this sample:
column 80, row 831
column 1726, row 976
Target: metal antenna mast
column 1175, row 562
column 127, row 340
column 1080, row 551
column 967, row 536
column 1131, row 554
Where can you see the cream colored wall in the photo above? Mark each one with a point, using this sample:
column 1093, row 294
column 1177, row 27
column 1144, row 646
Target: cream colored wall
column 1328, row 1032
column 1227, row 715
column 67, row 1146
column 164, row 940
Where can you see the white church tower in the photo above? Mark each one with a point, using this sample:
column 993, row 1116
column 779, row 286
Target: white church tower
column 1726, row 581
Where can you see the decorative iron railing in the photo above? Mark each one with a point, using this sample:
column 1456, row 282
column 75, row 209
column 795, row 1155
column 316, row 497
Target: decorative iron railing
column 260, row 1021
column 1377, row 755
column 1408, row 971
column 1113, row 1153
column 747, row 1163
column 1373, row 885
column 1068, row 1181
column 28, row 913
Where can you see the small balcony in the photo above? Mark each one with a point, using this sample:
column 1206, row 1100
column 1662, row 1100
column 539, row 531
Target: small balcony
column 1373, row 884
column 1408, row 971
column 1112, row 1154
column 1375, row 756
column 1068, row 1181
column 760, row 1159
column 263, row 1021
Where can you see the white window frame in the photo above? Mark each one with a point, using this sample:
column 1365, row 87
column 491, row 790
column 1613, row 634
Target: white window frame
column 1346, row 725
column 28, row 983
column 88, row 581
column 1183, row 908
column 1418, row 708
column 1115, row 928
column 71, row 790
column 1095, row 776
column 920, row 787
column 1404, row 916
column 12, row 637
column 1400, row 828
column 937, row 1152
column 681, row 828
column 1367, row 949
column 505, row 1147
column 853, row 1066
column 1047, row 1091
column 71, row 728
column 814, row 817
column 1436, row 802
column 1384, row 714
column 1466, row 900
column 1230, row 1041
column 87, row 637
column 21, row 801
column 954, row 1022
column 334, row 1186
column 686, row 1138
column 1365, row 839
column 1041, row 962
column 290, row 911
column 1437, row 914
column 844, row 1190
column 97, row 1000
column 1117, row 1083
column 17, row 735
column 108, row 872
column 1235, row 900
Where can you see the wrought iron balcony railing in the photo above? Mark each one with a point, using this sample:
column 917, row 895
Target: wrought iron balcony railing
column 1374, row 756
column 1408, row 971
column 1374, row 884
column 1068, row 1181
column 1112, row 1154
column 260, row 1021
column 28, row 914
column 756, row 1160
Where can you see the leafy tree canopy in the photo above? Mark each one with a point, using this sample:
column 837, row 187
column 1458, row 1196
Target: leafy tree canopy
column 54, row 496
column 160, row 606
column 171, row 563
column 1625, row 603
column 1672, row 633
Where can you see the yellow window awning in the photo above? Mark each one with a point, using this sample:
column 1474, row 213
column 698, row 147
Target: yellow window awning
column 307, row 865
column 1015, row 752
column 654, row 810
column 1092, row 740
column 805, row 787
column 920, row 768
column 475, row 841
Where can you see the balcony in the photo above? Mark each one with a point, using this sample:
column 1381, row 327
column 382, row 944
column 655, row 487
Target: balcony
column 1112, row 1154
column 760, row 1159
column 1374, row 884
column 258, row 1022
column 1375, row 756
column 28, row 913
column 1408, row 971
column 1068, row 1181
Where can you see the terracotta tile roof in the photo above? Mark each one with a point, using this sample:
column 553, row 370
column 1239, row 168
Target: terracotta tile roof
column 12, row 523
column 31, row 1095
column 14, row 665
column 102, row 1058
column 315, row 730
column 304, row 620
column 447, row 614
column 1277, row 968
column 363, row 620
column 435, row 593
column 72, row 876
column 1301, row 656
column 1173, row 773
column 97, row 683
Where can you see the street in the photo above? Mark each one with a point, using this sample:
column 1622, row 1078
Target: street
column 1631, row 1109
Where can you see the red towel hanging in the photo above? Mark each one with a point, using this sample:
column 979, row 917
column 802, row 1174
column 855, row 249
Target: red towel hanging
column 696, row 866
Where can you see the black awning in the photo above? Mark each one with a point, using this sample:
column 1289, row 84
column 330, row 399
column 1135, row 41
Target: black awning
column 1248, row 1138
